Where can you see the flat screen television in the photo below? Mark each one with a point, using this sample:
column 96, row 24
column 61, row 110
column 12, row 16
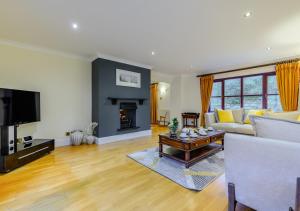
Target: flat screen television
column 19, row 107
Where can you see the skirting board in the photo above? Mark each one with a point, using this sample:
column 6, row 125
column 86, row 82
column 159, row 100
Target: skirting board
column 110, row 139
column 60, row 142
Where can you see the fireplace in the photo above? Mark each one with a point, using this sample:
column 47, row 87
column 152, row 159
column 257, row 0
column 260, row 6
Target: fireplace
column 127, row 116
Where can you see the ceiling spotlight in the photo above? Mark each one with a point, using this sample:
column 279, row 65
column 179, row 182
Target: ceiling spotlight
column 152, row 53
column 247, row 14
column 74, row 25
column 268, row 48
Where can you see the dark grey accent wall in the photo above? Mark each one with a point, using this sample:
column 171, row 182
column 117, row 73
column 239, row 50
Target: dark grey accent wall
column 104, row 86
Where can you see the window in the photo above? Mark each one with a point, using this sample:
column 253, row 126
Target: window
column 216, row 100
column 273, row 100
column 249, row 92
column 253, row 92
column 232, row 93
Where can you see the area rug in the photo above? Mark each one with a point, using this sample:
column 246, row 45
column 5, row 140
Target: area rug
column 197, row 177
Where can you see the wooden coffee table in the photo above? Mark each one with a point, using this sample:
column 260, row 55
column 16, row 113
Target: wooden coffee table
column 191, row 150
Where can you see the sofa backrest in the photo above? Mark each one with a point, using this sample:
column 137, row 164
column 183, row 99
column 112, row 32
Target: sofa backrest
column 266, row 127
column 293, row 115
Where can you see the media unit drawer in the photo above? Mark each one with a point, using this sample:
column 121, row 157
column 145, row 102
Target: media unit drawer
column 27, row 155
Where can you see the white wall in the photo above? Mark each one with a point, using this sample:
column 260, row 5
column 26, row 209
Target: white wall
column 64, row 84
column 191, row 101
column 184, row 93
column 164, row 96
column 246, row 72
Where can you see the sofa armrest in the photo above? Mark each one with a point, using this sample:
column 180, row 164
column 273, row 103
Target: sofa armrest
column 262, row 170
column 209, row 119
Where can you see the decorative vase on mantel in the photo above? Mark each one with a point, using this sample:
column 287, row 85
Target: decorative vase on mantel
column 173, row 126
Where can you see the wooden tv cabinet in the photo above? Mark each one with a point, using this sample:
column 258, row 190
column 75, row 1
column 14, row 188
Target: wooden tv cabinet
column 26, row 153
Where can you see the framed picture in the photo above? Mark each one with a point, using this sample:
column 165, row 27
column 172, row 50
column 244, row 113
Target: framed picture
column 128, row 78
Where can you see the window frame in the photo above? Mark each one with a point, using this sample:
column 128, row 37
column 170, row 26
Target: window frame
column 264, row 94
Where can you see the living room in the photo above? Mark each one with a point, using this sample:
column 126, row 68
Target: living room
column 161, row 105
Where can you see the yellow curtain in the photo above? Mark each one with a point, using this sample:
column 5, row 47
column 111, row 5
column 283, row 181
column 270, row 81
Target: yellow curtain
column 288, row 76
column 153, row 100
column 206, row 85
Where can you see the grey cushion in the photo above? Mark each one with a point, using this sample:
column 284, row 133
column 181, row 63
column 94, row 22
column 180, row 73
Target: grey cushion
column 216, row 115
column 266, row 127
column 238, row 115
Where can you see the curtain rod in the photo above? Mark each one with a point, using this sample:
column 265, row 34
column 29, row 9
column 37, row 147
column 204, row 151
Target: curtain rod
column 251, row 67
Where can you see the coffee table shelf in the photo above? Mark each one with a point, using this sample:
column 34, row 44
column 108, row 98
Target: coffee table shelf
column 191, row 150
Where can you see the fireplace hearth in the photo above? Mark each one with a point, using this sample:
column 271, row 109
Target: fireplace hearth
column 127, row 116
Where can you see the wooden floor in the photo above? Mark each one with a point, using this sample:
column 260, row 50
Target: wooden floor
column 102, row 178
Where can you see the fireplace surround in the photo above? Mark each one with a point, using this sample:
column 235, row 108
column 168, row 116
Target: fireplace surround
column 107, row 97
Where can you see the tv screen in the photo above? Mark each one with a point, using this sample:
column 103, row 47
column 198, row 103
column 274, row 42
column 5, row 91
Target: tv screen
column 19, row 107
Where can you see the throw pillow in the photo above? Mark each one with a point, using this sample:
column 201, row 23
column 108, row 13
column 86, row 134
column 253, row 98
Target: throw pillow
column 238, row 115
column 266, row 127
column 253, row 112
column 216, row 115
column 225, row 116
column 298, row 119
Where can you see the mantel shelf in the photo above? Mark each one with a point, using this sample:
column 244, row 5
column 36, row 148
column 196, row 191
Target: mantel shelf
column 114, row 100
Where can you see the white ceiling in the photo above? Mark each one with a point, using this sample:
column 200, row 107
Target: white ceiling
column 188, row 36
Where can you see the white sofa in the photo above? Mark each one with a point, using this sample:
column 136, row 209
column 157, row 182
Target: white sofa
column 210, row 121
column 247, row 129
column 264, row 171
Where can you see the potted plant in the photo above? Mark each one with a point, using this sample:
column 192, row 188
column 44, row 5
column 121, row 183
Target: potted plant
column 173, row 126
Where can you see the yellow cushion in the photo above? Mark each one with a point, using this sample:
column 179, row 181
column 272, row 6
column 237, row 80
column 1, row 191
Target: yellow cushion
column 298, row 119
column 225, row 116
column 255, row 113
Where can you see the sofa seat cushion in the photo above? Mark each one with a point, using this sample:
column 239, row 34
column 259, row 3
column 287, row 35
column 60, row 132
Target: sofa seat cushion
column 234, row 128
column 245, row 129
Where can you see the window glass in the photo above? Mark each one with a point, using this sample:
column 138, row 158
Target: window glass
column 274, row 103
column 253, row 85
column 272, row 85
column 216, row 102
column 233, row 87
column 217, row 89
column 253, row 102
column 232, row 102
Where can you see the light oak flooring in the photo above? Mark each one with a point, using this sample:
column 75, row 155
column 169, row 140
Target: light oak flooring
column 102, row 178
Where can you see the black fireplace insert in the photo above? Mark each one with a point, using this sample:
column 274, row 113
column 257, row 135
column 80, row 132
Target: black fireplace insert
column 128, row 116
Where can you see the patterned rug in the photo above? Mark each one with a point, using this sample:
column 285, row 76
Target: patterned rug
column 197, row 177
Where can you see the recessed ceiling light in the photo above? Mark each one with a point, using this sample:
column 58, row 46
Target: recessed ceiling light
column 268, row 48
column 74, row 25
column 152, row 53
column 247, row 14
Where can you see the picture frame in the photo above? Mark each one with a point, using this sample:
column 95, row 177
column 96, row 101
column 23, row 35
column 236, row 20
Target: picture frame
column 128, row 78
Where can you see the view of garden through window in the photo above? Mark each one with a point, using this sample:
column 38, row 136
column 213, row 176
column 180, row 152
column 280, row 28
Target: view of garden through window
column 248, row 92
